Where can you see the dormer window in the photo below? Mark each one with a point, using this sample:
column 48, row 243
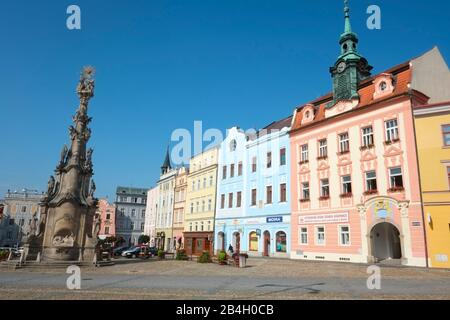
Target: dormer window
column 383, row 86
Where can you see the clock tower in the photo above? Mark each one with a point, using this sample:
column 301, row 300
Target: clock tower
column 350, row 67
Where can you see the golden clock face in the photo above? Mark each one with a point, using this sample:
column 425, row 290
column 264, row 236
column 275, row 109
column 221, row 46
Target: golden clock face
column 341, row 67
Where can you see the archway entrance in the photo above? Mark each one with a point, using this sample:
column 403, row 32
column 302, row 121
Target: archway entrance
column 386, row 244
column 266, row 244
column 221, row 241
column 237, row 241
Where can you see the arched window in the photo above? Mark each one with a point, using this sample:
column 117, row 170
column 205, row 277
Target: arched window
column 253, row 241
column 281, row 241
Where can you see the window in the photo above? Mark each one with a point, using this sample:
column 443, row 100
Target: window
column 305, row 191
column 371, row 181
column 396, row 178
column 135, row 200
column 198, row 184
column 323, row 149
column 239, row 199
column 197, row 206
column 21, row 222
column 222, row 201
column 448, row 175
column 132, row 226
column 344, row 143
column 304, row 153
column 283, row 192
column 133, row 212
column 446, row 134
column 106, row 230
column 253, row 241
column 391, row 130
column 230, row 200
column 224, row 172
column 346, row 185
column 344, row 235
column 24, row 209
column 232, row 171
column 281, row 241
column 193, row 185
column 202, row 226
column 143, row 213
column 233, row 145
column 192, row 207
column 209, row 205
column 142, row 226
column 320, row 235
column 283, row 157
column 269, row 159
column 367, row 137
column 253, row 197
column 204, row 182
column 196, row 229
column 254, row 164
column 240, row 169
column 211, row 181
column 108, row 216
column 269, row 194
column 122, row 212
column 203, row 205
column 324, row 188
column 190, row 226
column 303, row 237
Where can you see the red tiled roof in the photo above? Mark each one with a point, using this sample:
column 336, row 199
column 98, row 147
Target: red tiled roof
column 366, row 90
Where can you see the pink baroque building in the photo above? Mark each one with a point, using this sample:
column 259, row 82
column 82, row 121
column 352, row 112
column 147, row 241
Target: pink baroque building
column 355, row 186
column 108, row 219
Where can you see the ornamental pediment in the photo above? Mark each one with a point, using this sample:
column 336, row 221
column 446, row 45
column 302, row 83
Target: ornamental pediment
column 341, row 107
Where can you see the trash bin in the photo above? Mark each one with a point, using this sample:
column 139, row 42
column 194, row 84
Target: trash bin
column 242, row 260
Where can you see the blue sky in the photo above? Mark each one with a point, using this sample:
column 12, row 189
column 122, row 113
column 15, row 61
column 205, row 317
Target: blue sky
column 163, row 64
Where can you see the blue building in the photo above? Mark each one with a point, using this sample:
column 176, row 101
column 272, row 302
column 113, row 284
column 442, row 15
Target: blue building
column 253, row 212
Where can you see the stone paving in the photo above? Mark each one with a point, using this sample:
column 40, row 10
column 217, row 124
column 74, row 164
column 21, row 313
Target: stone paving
column 263, row 279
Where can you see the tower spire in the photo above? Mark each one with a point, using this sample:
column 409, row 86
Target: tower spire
column 348, row 26
column 166, row 166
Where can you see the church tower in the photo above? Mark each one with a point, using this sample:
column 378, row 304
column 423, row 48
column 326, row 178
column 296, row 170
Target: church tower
column 350, row 67
column 166, row 166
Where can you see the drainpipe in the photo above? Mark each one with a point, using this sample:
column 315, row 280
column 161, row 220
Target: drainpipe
column 420, row 181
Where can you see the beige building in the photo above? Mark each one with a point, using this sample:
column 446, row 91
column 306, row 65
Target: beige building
column 165, row 205
column 200, row 202
column 179, row 206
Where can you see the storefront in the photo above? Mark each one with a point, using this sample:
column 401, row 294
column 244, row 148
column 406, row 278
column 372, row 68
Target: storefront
column 197, row 242
column 260, row 237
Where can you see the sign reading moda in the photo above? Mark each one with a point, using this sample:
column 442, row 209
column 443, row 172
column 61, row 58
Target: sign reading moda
column 274, row 219
column 324, row 218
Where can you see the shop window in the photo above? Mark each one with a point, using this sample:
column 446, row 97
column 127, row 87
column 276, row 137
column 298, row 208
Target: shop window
column 281, row 243
column 253, row 241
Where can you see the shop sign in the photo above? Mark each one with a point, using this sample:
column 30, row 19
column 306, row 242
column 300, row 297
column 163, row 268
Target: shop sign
column 324, row 218
column 274, row 219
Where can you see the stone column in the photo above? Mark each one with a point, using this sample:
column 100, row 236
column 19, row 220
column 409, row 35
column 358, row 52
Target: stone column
column 364, row 235
column 406, row 233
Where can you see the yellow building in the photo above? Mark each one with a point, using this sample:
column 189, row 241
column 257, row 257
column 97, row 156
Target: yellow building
column 200, row 203
column 432, row 124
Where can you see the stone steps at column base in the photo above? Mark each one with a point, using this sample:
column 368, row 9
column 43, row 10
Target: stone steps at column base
column 12, row 265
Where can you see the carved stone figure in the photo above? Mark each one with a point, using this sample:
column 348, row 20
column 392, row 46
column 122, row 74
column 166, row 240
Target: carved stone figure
column 64, row 152
column 96, row 228
column 51, row 185
column 92, row 189
column 33, row 226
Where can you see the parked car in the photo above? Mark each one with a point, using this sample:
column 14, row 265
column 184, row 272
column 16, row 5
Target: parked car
column 132, row 253
column 153, row 251
column 118, row 251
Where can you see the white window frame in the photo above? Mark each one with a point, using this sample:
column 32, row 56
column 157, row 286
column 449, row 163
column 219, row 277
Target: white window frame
column 343, row 183
column 322, row 185
column 391, row 131
column 395, row 175
column 344, row 142
column 340, row 233
column 316, row 236
column 303, row 189
column 367, row 180
column 367, row 138
column 323, row 148
column 300, row 236
column 304, row 153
